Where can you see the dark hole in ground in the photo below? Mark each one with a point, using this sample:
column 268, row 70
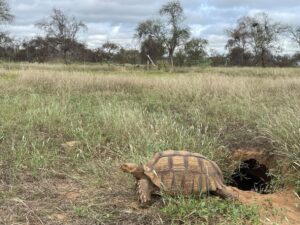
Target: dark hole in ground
column 251, row 175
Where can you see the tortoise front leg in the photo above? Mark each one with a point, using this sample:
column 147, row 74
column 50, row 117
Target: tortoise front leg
column 144, row 191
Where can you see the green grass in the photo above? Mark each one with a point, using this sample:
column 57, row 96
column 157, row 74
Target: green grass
column 209, row 211
column 127, row 114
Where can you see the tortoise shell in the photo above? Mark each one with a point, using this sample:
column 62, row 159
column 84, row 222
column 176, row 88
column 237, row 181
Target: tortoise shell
column 184, row 172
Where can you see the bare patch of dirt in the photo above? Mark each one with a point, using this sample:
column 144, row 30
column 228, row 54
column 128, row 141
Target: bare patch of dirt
column 67, row 190
column 76, row 200
column 45, row 201
column 282, row 207
column 58, row 216
column 71, row 145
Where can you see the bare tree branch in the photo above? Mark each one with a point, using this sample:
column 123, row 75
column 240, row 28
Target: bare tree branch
column 62, row 28
column 177, row 33
column 5, row 15
column 295, row 34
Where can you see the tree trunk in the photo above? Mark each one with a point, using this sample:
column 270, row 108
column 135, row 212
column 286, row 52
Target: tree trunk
column 243, row 56
column 263, row 63
column 65, row 56
column 171, row 63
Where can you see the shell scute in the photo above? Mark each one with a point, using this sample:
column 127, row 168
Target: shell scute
column 184, row 172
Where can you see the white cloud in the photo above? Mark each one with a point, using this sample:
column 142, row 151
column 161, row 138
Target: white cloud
column 115, row 20
column 197, row 30
column 266, row 4
column 217, row 41
column 115, row 30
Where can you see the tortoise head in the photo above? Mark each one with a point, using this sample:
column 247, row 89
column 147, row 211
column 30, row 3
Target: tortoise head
column 134, row 169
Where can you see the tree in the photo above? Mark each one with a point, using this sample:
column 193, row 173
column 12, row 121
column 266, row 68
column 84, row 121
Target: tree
column 283, row 60
column 256, row 34
column 180, row 57
column 6, row 45
column 169, row 34
column 151, row 35
column 238, row 57
column 153, row 48
column 295, row 34
column 5, row 15
column 217, row 59
column 175, row 32
column 63, row 29
column 38, row 49
column 195, row 50
column 4, row 39
column 109, row 50
column 264, row 34
column 131, row 56
column 238, row 43
column 150, row 28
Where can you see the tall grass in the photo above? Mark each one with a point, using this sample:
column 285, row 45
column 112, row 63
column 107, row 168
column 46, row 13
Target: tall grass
column 137, row 115
column 127, row 114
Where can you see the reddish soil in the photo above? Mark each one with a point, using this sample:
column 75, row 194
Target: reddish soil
column 282, row 207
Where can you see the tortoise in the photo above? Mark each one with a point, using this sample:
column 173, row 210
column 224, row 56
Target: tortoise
column 178, row 172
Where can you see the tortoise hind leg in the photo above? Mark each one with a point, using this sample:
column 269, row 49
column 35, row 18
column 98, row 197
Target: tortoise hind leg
column 224, row 193
column 144, row 191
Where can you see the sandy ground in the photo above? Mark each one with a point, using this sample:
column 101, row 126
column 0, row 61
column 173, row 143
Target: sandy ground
column 282, row 207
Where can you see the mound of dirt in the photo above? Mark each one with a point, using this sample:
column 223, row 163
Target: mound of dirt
column 278, row 208
column 260, row 155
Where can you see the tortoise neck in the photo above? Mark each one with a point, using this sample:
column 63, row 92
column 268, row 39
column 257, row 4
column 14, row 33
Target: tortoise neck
column 139, row 172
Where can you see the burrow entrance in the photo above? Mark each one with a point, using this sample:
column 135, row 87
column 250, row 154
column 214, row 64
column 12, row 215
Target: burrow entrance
column 252, row 174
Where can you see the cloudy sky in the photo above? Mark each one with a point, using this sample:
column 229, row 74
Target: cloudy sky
column 115, row 20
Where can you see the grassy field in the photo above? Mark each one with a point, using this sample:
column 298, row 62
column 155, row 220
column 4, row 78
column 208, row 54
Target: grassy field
column 115, row 114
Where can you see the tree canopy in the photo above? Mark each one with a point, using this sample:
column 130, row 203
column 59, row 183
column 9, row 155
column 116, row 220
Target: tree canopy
column 63, row 29
column 5, row 15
